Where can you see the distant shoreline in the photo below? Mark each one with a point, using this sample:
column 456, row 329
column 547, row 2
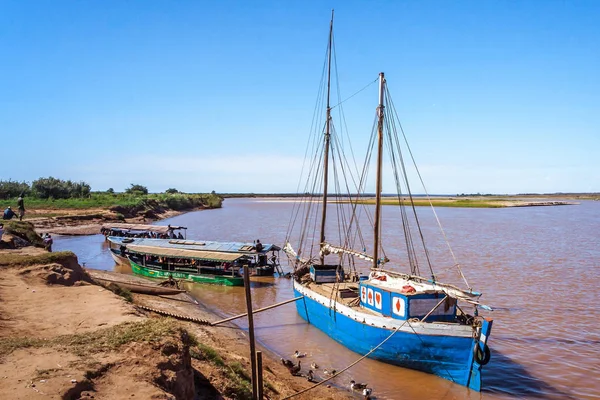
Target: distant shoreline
column 562, row 196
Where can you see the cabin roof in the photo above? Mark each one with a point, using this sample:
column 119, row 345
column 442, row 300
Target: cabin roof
column 184, row 253
column 204, row 245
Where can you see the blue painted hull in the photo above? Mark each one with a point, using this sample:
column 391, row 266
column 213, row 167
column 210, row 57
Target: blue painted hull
column 449, row 357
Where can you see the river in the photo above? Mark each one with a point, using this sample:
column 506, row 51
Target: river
column 537, row 266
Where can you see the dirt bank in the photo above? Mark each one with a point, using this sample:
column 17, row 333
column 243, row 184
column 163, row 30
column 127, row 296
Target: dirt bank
column 63, row 337
column 77, row 222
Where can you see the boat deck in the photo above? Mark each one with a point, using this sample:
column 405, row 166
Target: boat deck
column 347, row 294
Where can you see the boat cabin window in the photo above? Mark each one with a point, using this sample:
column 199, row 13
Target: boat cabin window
column 420, row 307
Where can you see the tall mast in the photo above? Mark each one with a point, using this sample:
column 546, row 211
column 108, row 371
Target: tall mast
column 376, row 227
column 327, row 137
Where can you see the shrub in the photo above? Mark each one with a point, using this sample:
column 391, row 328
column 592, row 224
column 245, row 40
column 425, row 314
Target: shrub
column 136, row 189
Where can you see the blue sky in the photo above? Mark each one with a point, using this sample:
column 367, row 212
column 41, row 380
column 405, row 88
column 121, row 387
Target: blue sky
column 495, row 96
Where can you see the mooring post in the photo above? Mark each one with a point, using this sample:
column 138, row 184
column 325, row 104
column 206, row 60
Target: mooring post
column 251, row 330
column 259, row 369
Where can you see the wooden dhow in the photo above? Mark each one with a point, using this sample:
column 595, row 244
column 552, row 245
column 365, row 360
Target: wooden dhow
column 404, row 319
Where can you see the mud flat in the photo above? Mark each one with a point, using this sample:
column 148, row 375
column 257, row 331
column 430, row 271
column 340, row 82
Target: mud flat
column 64, row 337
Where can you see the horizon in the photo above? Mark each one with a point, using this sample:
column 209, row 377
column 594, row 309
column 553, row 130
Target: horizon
column 495, row 97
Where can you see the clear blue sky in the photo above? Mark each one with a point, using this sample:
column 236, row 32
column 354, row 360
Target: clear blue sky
column 495, row 96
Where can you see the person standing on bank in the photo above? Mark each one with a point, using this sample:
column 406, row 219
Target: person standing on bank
column 21, row 206
column 258, row 246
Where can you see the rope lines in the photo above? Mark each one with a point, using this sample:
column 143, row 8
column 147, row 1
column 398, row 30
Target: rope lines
column 349, row 366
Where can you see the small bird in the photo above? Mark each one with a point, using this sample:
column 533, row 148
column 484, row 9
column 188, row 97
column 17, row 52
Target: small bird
column 314, row 365
column 329, row 371
column 287, row 363
column 294, row 370
column 297, row 354
column 357, row 386
column 367, row 393
column 310, row 377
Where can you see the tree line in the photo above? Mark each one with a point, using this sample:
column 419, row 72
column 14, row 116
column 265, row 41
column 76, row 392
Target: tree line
column 53, row 188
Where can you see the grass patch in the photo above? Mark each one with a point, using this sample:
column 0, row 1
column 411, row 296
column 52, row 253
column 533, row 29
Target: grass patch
column 241, row 386
column 12, row 260
column 118, row 290
column 465, row 203
column 176, row 201
column 10, row 344
column 203, row 352
column 25, row 231
column 108, row 339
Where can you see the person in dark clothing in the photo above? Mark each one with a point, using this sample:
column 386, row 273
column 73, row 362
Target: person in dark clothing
column 21, row 206
column 8, row 213
column 258, row 246
column 48, row 242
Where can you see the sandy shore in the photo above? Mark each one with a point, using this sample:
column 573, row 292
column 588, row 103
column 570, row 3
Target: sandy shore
column 75, row 222
column 64, row 337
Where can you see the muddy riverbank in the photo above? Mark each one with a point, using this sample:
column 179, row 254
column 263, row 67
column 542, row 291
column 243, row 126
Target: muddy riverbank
column 64, row 337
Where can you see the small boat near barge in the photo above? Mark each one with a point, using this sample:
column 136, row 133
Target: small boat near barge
column 212, row 262
column 155, row 290
column 143, row 231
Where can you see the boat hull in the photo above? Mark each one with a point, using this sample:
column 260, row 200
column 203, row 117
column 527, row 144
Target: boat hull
column 118, row 258
column 198, row 278
column 447, row 356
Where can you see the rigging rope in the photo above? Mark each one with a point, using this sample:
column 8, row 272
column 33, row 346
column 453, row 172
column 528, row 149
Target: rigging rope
column 345, row 100
column 427, row 193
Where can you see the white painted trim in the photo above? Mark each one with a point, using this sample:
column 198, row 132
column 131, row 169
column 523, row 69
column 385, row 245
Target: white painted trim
column 388, row 323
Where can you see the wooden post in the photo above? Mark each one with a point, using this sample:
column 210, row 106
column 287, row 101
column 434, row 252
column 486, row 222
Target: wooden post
column 250, row 330
column 259, row 382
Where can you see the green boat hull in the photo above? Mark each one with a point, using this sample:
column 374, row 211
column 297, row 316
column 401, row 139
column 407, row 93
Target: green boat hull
column 199, row 278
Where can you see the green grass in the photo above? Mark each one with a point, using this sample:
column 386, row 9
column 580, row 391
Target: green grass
column 467, row 203
column 108, row 339
column 206, row 353
column 25, row 231
column 177, row 201
column 11, row 260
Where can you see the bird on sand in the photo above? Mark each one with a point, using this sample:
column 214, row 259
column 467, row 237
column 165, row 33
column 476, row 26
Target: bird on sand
column 295, row 369
column 367, row 393
column 329, row 371
column 310, row 377
column 357, row 386
column 287, row 363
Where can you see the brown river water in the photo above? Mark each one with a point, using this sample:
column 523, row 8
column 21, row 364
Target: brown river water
column 539, row 267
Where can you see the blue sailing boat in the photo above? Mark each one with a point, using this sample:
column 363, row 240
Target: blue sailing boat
column 401, row 318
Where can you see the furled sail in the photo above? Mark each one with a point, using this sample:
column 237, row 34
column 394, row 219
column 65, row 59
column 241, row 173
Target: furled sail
column 291, row 253
column 327, row 248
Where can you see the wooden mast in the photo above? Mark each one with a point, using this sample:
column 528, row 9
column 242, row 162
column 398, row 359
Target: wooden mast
column 327, row 139
column 376, row 224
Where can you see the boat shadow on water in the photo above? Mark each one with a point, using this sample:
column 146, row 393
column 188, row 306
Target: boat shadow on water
column 508, row 377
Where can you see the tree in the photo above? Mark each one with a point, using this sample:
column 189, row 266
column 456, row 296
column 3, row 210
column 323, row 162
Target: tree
column 51, row 187
column 171, row 191
column 137, row 189
column 110, row 191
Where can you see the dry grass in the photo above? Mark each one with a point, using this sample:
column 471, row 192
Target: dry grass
column 19, row 260
column 108, row 339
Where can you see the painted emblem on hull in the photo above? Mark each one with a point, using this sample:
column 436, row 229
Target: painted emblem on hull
column 398, row 306
column 378, row 300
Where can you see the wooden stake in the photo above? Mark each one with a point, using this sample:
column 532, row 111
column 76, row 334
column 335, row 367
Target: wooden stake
column 250, row 330
column 260, row 374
